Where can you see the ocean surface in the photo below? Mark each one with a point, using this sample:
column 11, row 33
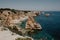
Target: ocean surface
column 50, row 26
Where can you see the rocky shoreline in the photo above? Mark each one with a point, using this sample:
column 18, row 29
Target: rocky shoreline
column 11, row 18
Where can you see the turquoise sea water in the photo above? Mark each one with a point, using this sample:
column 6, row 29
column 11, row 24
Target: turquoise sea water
column 50, row 26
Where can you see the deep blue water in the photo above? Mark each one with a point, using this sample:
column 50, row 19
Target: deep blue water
column 50, row 26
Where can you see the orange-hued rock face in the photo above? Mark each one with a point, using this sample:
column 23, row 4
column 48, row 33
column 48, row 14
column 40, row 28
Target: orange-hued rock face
column 11, row 19
column 31, row 24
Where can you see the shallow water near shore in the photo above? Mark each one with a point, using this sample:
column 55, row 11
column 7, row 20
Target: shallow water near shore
column 50, row 26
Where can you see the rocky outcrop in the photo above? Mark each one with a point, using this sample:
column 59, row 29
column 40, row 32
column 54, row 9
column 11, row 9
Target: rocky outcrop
column 31, row 24
column 12, row 20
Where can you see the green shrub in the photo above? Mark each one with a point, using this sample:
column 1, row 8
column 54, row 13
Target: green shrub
column 23, row 39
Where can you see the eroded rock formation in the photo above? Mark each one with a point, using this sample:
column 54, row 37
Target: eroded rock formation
column 12, row 18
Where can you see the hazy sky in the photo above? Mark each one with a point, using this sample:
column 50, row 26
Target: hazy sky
column 52, row 5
